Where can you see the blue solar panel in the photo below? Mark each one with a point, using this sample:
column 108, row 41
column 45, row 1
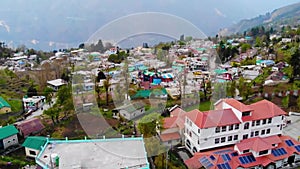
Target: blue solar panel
column 297, row 148
column 289, row 143
column 234, row 154
column 279, row 152
column 225, row 157
column 212, row 157
column 205, row 162
column 247, row 159
column 224, row 166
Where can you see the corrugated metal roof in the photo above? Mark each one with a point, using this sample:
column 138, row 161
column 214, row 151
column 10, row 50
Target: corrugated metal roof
column 8, row 131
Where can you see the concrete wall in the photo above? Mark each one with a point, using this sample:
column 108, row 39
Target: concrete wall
column 10, row 141
column 27, row 152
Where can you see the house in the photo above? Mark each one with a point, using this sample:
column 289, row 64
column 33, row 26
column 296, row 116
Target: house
column 98, row 153
column 4, row 106
column 33, row 145
column 30, row 127
column 257, row 152
column 8, row 136
column 56, row 84
column 130, row 111
column 33, row 102
column 231, row 122
column 172, row 132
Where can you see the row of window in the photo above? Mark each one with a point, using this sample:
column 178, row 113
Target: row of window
column 263, row 121
column 230, row 128
column 262, row 132
column 223, row 139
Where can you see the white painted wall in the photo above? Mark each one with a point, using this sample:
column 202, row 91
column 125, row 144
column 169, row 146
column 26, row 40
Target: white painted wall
column 27, row 152
column 10, row 141
column 132, row 115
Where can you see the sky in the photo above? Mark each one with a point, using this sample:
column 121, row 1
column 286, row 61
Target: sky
column 69, row 22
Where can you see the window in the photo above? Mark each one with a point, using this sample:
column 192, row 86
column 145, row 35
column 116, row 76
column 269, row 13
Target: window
column 246, row 151
column 32, row 152
column 270, row 120
column 229, row 138
column 217, row 129
column 199, row 131
column 223, row 139
column 264, row 121
column 235, row 137
column 217, row 140
column 198, row 141
column 263, row 152
column 256, row 133
column 252, row 134
column 236, row 126
column 257, row 122
column 223, row 128
column 253, row 123
column 282, row 117
column 190, row 134
column 246, row 126
column 268, row 131
column 188, row 143
column 230, row 127
column 263, row 132
column 246, row 113
column 245, row 136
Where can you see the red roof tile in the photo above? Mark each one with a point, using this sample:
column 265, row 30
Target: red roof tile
column 169, row 122
column 264, row 109
column 238, row 105
column 213, row 118
column 169, row 136
column 30, row 126
column 176, row 112
column 256, row 144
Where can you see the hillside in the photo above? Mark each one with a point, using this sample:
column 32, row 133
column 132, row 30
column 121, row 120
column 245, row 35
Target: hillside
column 286, row 15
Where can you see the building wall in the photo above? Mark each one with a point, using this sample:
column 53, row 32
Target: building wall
column 10, row 141
column 5, row 110
column 28, row 154
column 131, row 115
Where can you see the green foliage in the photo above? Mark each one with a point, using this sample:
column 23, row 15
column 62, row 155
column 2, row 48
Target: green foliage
column 245, row 47
column 147, row 124
column 117, row 58
column 48, row 93
column 285, row 101
column 248, row 61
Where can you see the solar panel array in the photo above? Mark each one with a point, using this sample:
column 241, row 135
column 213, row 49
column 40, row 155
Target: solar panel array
column 297, row 148
column 289, row 143
column 279, row 152
column 234, row 154
column 205, row 162
column 225, row 157
column 247, row 159
column 224, row 166
column 212, row 157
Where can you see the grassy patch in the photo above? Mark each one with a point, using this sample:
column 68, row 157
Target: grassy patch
column 203, row 106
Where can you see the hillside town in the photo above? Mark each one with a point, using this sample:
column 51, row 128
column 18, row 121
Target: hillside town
column 222, row 102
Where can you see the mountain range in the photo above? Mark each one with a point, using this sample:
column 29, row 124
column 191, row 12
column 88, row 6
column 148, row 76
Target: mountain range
column 288, row 15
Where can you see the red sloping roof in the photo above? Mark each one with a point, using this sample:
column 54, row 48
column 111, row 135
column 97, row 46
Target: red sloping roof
column 193, row 163
column 256, row 144
column 265, row 109
column 169, row 136
column 30, row 126
column 176, row 112
column 220, row 118
column 213, row 118
column 169, row 122
column 238, row 105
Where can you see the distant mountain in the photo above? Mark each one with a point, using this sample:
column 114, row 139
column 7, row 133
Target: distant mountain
column 286, row 15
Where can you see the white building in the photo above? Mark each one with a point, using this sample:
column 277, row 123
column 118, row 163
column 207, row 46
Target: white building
column 34, row 101
column 56, row 84
column 131, row 111
column 231, row 122
column 33, row 145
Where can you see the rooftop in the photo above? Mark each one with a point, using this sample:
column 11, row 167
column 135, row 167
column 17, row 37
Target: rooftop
column 7, row 131
column 35, row 142
column 56, row 82
column 3, row 103
column 107, row 153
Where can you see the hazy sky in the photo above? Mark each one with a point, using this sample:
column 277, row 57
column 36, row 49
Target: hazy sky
column 65, row 21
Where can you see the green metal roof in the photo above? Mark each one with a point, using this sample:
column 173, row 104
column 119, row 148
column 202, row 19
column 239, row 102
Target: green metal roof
column 3, row 103
column 147, row 93
column 8, row 131
column 34, row 142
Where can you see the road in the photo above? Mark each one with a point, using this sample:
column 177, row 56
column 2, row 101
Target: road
column 293, row 128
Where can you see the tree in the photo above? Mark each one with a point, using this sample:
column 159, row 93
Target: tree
column 48, row 93
column 81, row 46
column 295, row 60
column 31, row 91
column 298, row 102
column 106, row 85
column 52, row 113
column 147, row 124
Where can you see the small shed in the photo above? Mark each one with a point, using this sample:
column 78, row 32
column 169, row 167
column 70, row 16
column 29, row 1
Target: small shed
column 33, row 145
column 8, row 136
